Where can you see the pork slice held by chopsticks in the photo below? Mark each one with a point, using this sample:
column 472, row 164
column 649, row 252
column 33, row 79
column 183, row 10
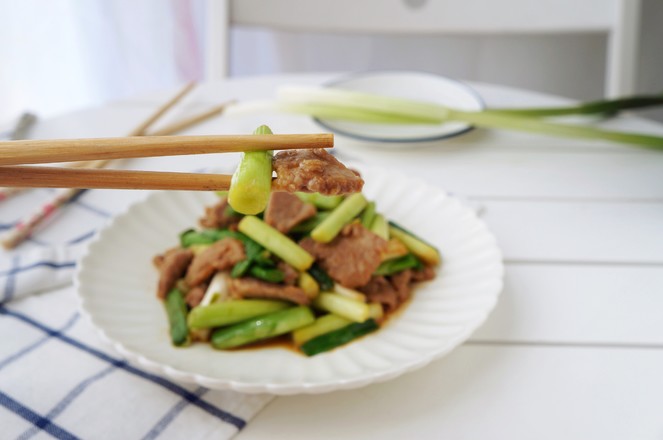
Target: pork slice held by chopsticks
column 313, row 171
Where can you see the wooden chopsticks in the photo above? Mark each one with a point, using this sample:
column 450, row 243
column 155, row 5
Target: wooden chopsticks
column 141, row 128
column 71, row 150
column 56, row 177
column 185, row 123
column 102, row 150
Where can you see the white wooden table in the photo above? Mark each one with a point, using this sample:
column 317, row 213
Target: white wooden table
column 573, row 350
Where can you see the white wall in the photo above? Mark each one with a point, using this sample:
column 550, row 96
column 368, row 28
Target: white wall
column 60, row 55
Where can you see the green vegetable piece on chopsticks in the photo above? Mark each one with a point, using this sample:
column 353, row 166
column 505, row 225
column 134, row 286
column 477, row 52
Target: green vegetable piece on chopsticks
column 339, row 337
column 176, row 309
column 339, row 217
column 263, row 327
column 252, row 181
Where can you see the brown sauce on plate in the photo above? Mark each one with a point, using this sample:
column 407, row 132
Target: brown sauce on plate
column 283, row 341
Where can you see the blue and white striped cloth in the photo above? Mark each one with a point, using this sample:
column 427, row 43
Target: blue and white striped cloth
column 57, row 378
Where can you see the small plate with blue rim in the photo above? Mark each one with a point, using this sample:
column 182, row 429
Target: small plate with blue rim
column 418, row 86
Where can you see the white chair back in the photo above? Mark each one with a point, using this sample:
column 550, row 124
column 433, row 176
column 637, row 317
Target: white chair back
column 619, row 19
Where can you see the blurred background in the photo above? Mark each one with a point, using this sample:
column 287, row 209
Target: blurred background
column 62, row 55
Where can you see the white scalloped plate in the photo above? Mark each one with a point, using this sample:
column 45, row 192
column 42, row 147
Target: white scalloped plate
column 116, row 284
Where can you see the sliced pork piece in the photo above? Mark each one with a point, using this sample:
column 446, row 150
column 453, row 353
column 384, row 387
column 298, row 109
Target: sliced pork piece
column 286, row 210
column 351, row 257
column 402, row 283
column 195, row 295
column 253, row 288
column 380, row 290
column 425, row 274
column 391, row 291
column 313, row 171
column 222, row 255
column 158, row 261
column 219, row 216
column 172, row 266
column 289, row 272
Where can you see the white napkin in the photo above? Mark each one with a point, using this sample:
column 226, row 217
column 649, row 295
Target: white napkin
column 37, row 269
column 57, row 376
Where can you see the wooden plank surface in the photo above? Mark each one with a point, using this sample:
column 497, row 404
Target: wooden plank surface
column 578, row 304
column 533, row 174
column 480, row 392
column 568, row 231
